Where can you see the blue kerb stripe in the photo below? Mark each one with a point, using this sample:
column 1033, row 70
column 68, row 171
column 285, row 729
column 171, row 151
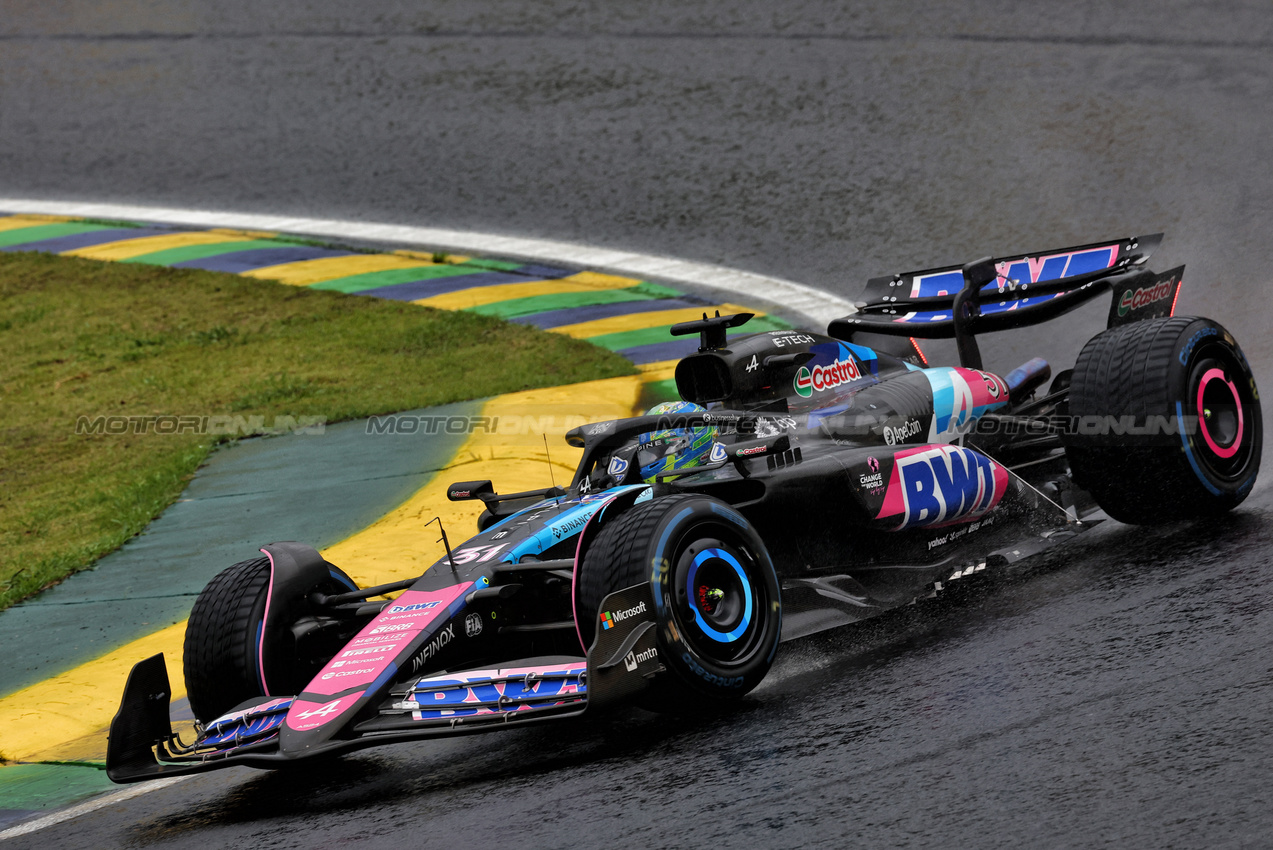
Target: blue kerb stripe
column 417, row 289
column 592, row 312
column 238, row 262
column 659, row 351
column 76, row 241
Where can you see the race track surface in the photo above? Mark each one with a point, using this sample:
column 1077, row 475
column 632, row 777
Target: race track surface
column 1116, row 694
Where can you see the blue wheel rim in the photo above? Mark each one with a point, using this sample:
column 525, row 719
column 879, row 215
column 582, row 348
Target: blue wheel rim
column 707, row 629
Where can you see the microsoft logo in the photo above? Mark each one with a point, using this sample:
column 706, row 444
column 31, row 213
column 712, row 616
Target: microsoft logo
column 608, row 619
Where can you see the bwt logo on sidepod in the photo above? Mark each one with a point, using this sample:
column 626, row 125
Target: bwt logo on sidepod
column 944, row 484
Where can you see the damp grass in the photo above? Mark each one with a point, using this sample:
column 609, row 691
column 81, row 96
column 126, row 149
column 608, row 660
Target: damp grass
column 87, row 347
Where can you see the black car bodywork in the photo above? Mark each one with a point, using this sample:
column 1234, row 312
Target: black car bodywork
column 859, row 479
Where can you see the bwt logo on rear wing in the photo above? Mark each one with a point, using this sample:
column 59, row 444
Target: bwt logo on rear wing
column 1021, row 290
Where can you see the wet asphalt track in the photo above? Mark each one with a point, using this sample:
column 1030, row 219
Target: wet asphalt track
column 1116, row 694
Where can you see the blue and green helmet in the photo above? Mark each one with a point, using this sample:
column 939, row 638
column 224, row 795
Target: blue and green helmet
column 671, row 450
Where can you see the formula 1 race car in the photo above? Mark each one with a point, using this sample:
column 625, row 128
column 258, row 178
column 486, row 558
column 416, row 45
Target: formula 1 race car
column 806, row 481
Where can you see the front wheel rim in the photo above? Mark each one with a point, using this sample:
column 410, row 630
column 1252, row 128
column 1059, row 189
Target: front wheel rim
column 718, row 602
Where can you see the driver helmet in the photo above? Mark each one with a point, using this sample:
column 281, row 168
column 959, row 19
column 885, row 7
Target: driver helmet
column 670, row 450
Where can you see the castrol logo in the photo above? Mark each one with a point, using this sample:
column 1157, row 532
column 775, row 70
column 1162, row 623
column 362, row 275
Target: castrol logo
column 1143, row 297
column 821, row 378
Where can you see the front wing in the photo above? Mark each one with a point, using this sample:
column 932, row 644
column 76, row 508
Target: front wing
column 142, row 744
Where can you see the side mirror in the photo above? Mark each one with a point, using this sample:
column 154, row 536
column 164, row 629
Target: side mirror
column 463, row 491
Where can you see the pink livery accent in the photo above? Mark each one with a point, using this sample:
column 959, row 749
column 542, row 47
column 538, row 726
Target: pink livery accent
column 574, row 580
column 940, row 485
column 961, row 396
column 306, row 715
column 1218, row 375
column 260, row 640
column 1056, row 266
column 380, row 642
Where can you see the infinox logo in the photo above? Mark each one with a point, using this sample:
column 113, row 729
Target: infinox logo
column 826, row 377
column 943, row 484
column 1144, row 297
column 609, row 618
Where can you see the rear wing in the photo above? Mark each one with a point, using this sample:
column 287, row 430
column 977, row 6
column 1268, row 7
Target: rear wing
column 991, row 295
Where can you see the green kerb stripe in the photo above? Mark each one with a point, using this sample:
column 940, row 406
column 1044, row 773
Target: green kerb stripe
column 649, row 336
column 41, row 232
column 393, row 277
column 172, row 256
column 49, row 786
column 565, row 300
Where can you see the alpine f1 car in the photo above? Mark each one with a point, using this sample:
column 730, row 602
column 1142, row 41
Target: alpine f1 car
column 806, row 481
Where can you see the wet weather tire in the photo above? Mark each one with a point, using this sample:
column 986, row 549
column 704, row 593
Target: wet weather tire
column 715, row 592
column 1188, row 374
column 222, row 650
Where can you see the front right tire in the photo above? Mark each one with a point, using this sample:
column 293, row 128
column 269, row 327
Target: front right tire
column 716, row 595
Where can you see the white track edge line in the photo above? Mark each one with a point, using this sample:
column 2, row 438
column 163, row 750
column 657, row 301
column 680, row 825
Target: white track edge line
column 816, row 305
column 88, row 806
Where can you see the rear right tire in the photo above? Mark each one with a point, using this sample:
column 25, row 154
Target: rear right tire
column 1184, row 372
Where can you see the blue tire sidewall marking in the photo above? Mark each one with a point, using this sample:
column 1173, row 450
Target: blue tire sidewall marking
column 656, row 579
column 739, row 630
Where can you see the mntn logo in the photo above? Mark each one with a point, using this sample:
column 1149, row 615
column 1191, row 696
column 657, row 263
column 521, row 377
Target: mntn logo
column 947, row 483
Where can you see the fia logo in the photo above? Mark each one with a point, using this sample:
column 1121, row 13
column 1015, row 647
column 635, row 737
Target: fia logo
column 472, row 625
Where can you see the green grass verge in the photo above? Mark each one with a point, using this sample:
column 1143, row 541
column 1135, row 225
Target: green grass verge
column 86, row 339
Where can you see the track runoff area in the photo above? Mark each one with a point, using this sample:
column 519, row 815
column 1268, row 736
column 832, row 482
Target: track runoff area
column 621, row 301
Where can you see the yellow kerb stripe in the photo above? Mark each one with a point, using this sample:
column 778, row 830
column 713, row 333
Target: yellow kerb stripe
column 126, row 249
column 638, row 321
column 308, row 272
column 481, row 295
column 66, row 717
column 513, row 457
column 17, row 222
column 82, row 701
